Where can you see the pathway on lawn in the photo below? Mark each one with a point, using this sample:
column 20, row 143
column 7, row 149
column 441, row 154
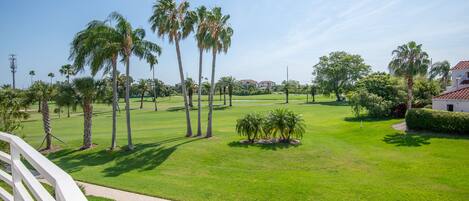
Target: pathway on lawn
column 115, row 194
column 400, row 126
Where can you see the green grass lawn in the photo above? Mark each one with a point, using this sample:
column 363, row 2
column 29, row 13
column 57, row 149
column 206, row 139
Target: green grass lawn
column 340, row 158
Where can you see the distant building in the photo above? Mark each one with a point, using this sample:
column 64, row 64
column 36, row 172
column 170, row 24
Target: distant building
column 248, row 82
column 456, row 96
column 266, row 84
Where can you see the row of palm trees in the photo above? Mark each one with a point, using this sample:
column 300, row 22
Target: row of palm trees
column 102, row 44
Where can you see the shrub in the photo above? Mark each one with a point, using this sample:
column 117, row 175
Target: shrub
column 250, row 126
column 438, row 121
column 374, row 104
column 285, row 123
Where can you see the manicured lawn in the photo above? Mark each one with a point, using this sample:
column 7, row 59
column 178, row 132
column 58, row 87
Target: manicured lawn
column 340, row 158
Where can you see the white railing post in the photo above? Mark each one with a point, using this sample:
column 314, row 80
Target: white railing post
column 25, row 184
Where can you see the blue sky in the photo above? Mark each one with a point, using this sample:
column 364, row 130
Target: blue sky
column 269, row 34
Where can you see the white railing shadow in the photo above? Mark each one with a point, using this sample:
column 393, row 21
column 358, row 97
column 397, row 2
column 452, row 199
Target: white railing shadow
column 25, row 185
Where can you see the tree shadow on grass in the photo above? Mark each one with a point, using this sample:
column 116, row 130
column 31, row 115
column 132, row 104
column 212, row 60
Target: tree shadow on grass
column 144, row 157
column 407, row 140
column 273, row 147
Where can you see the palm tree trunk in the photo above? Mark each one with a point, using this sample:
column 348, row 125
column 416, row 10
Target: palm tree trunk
column 141, row 100
column 114, row 102
column 230, row 94
column 87, row 114
column 410, row 96
column 220, row 93
column 154, row 89
column 199, row 94
column 46, row 124
column 183, row 84
column 307, row 98
column 212, row 91
column 68, row 111
column 224, row 95
column 127, row 104
column 286, row 95
column 190, row 98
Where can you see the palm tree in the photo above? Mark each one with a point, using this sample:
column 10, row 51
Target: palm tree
column 132, row 43
column 229, row 83
column 286, row 123
column 408, row 61
column 152, row 60
column 190, row 87
column 44, row 92
column 441, row 69
column 68, row 71
column 32, row 74
column 65, row 96
column 201, row 37
column 174, row 21
column 101, row 44
column 220, row 40
column 85, row 88
column 51, row 75
column 98, row 46
column 286, row 88
column 142, row 88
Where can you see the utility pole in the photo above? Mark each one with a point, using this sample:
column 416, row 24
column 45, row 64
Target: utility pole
column 287, row 73
column 13, row 67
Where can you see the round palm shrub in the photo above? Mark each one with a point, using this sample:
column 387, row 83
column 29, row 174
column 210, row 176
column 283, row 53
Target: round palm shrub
column 286, row 124
column 250, row 126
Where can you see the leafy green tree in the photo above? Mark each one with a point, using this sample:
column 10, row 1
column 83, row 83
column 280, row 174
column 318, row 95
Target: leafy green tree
column 219, row 39
column 68, row 71
column 288, row 86
column 44, row 92
column 142, row 87
column 375, row 105
column 250, row 126
column 441, row 69
column 11, row 114
column 424, row 90
column 173, row 20
column 381, row 84
column 286, row 123
column 338, row 72
column 408, row 61
column 86, row 90
column 65, row 96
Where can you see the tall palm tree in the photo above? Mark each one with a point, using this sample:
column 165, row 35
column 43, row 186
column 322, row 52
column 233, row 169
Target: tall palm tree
column 98, row 46
column 68, row 71
column 220, row 40
column 152, row 60
column 32, row 74
column 85, row 88
column 200, row 14
column 441, row 69
column 142, row 87
column 132, row 43
column 174, row 20
column 51, row 75
column 408, row 61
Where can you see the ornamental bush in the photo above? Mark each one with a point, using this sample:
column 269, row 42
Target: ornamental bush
column 250, row 126
column 438, row 121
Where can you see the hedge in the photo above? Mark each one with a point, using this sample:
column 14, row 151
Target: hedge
column 438, row 121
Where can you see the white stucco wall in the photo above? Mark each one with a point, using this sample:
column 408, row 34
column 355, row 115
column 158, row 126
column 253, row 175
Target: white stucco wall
column 455, row 74
column 458, row 105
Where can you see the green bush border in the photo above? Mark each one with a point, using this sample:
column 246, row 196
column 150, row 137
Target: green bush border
column 438, row 121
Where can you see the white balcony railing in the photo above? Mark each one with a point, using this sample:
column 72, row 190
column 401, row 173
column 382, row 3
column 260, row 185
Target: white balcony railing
column 24, row 184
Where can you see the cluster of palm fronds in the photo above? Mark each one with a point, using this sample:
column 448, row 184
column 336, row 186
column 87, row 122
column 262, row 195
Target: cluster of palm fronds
column 281, row 124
